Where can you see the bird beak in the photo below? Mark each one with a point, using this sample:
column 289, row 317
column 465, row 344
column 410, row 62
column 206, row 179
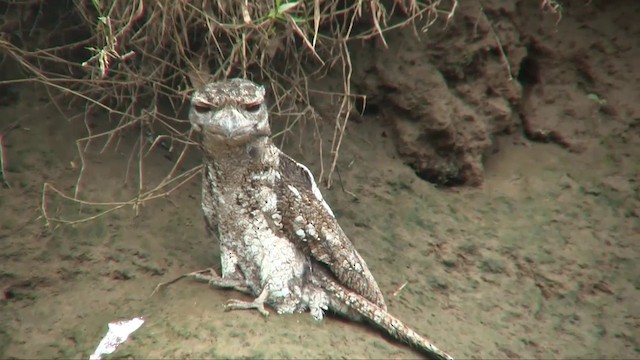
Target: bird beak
column 230, row 125
column 227, row 123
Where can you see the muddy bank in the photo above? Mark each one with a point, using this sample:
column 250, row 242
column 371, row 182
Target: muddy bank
column 538, row 261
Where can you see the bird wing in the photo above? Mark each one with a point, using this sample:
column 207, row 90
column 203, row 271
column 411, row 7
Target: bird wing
column 314, row 229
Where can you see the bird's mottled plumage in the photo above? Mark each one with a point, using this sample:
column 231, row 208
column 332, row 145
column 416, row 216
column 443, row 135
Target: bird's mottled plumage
column 279, row 239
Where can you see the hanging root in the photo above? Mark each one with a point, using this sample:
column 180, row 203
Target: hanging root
column 124, row 59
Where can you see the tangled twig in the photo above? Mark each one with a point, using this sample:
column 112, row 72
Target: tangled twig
column 127, row 58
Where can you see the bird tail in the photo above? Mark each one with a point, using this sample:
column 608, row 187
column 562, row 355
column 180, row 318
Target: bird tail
column 383, row 319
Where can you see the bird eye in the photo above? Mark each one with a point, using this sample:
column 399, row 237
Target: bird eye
column 201, row 107
column 252, row 107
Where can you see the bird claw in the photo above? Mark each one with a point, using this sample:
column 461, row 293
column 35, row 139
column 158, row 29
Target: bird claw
column 234, row 304
column 257, row 303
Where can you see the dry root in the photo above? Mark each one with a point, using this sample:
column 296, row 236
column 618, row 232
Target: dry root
column 129, row 59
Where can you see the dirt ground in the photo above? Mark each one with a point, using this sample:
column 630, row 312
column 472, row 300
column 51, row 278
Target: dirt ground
column 540, row 261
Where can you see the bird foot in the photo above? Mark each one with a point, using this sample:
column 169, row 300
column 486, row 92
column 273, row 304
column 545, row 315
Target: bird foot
column 257, row 303
column 212, row 277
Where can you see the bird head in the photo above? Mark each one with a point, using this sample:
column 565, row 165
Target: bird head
column 229, row 113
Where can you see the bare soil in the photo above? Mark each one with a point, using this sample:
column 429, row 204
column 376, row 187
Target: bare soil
column 540, row 260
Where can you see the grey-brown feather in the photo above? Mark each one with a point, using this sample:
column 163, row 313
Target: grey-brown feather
column 277, row 235
column 326, row 243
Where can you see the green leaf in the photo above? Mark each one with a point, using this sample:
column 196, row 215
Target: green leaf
column 596, row 98
column 283, row 8
column 297, row 19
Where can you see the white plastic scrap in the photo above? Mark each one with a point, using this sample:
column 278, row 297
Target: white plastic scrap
column 118, row 333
